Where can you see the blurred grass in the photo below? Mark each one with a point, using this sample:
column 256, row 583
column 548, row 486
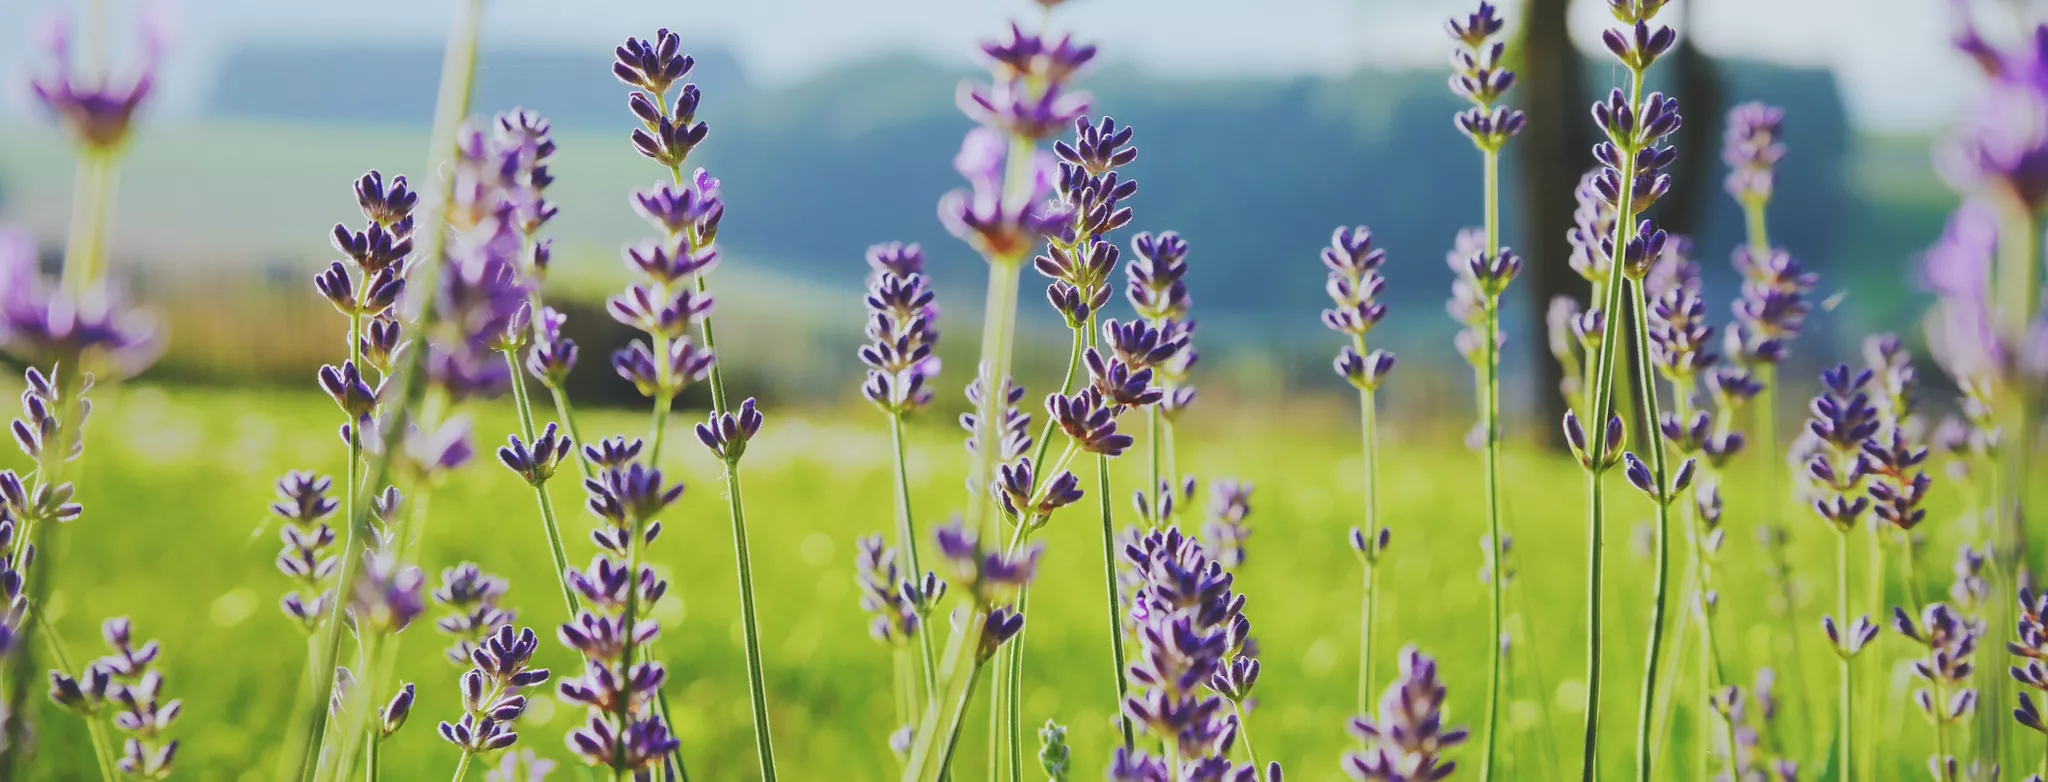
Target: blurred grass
column 175, row 534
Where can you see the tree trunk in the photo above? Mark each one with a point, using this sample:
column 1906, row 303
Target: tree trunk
column 1553, row 151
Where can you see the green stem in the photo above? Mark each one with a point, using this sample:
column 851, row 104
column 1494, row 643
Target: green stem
column 548, row 524
column 960, row 712
column 1244, row 730
column 756, row 687
column 1155, row 494
column 1368, row 620
column 1116, row 625
column 85, row 250
column 906, row 532
column 102, row 748
column 374, row 749
column 622, row 711
column 1491, row 392
column 1845, row 740
column 1603, row 408
column 1659, row 474
column 462, row 766
column 1015, row 714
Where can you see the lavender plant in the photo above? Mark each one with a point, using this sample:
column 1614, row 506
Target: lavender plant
column 1354, row 286
column 1406, row 739
column 1192, row 660
column 491, row 699
column 903, row 333
column 1631, row 181
column 1838, row 471
column 1480, row 76
column 899, row 606
column 1951, row 643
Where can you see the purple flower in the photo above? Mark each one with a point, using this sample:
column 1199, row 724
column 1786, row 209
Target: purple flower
column 885, row 594
column 641, row 747
column 726, row 435
column 1680, row 339
column 670, row 130
column 1771, row 309
column 126, row 680
column 1406, row 740
column 902, row 330
column 491, row 691
column 304, row 506
column 2002, row 146
column 97, row 112
column 685, row 364
column 1752, row 147
column 553, row 355
column 42, row 325
column 989, row 576
column 1157, row 289
column 1003, row 229
column 387, row 597
column 1951, row 643
column 1190, row 627
column 1230, row 505
column 1016, row 424
column 1089, row 420
column 1479, row 76
column 472, row 600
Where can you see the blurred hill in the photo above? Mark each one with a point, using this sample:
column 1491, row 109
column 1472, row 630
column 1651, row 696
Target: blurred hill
column 1254, row 171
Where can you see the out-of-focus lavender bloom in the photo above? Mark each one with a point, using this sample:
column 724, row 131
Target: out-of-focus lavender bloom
column 304, row 506
column 1681, row 341
column 520, row 766
column 1053, row 754
column 553, row 355
column 44, row 326
column 1592, row 234
column 1016, row 424
column 902, row 329
column 97, row 112
column 897, row 604
column 990, row 576
column 1028, row 98
column 473, row 602
column 1230, row 505
column 2002, row 146
column 528, row 146
column 1951, row 643
column 1568, row 347
column 127, row 681
column 1001, row 227
column 1969, row 591
column 1771, row 309
column 1406, row 741
column 1157, row 272
column 387, row 596
column 1752, row 147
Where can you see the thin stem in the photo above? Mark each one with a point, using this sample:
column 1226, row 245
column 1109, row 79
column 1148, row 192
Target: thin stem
column 462, row 766
column 102, row 752
column 998, row 330
column 1491, row 422
column 1244, row 731
column 1116, row 625
column 1369, row 434
column 1603, row 408
column 548, row 524
column 755, row 679
column 1659, row 472
column 906, row 532
column 960, row 712
column 85, row 250
column 1155, row 494
column 374, row 751
column 1843, row 753
column 1015, row 716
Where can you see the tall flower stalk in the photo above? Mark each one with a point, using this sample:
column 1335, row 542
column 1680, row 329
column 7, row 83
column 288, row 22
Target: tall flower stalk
column 1838, row 471
column 1481, row 77
column 1079, row 260
column 1354, row 286
column 903, row 333
column 675, row 294
column 1003, row 216
column 1630, row 181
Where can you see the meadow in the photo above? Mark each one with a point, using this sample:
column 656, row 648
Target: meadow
column 178, row 537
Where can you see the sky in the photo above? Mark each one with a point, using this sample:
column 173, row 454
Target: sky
column 1891, row 56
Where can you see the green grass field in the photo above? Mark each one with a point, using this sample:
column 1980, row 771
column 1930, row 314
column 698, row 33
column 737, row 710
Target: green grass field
column 176, row 535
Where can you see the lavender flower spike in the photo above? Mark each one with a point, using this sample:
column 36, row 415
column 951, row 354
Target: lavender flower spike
column 97, row 113
column 1405, row 741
